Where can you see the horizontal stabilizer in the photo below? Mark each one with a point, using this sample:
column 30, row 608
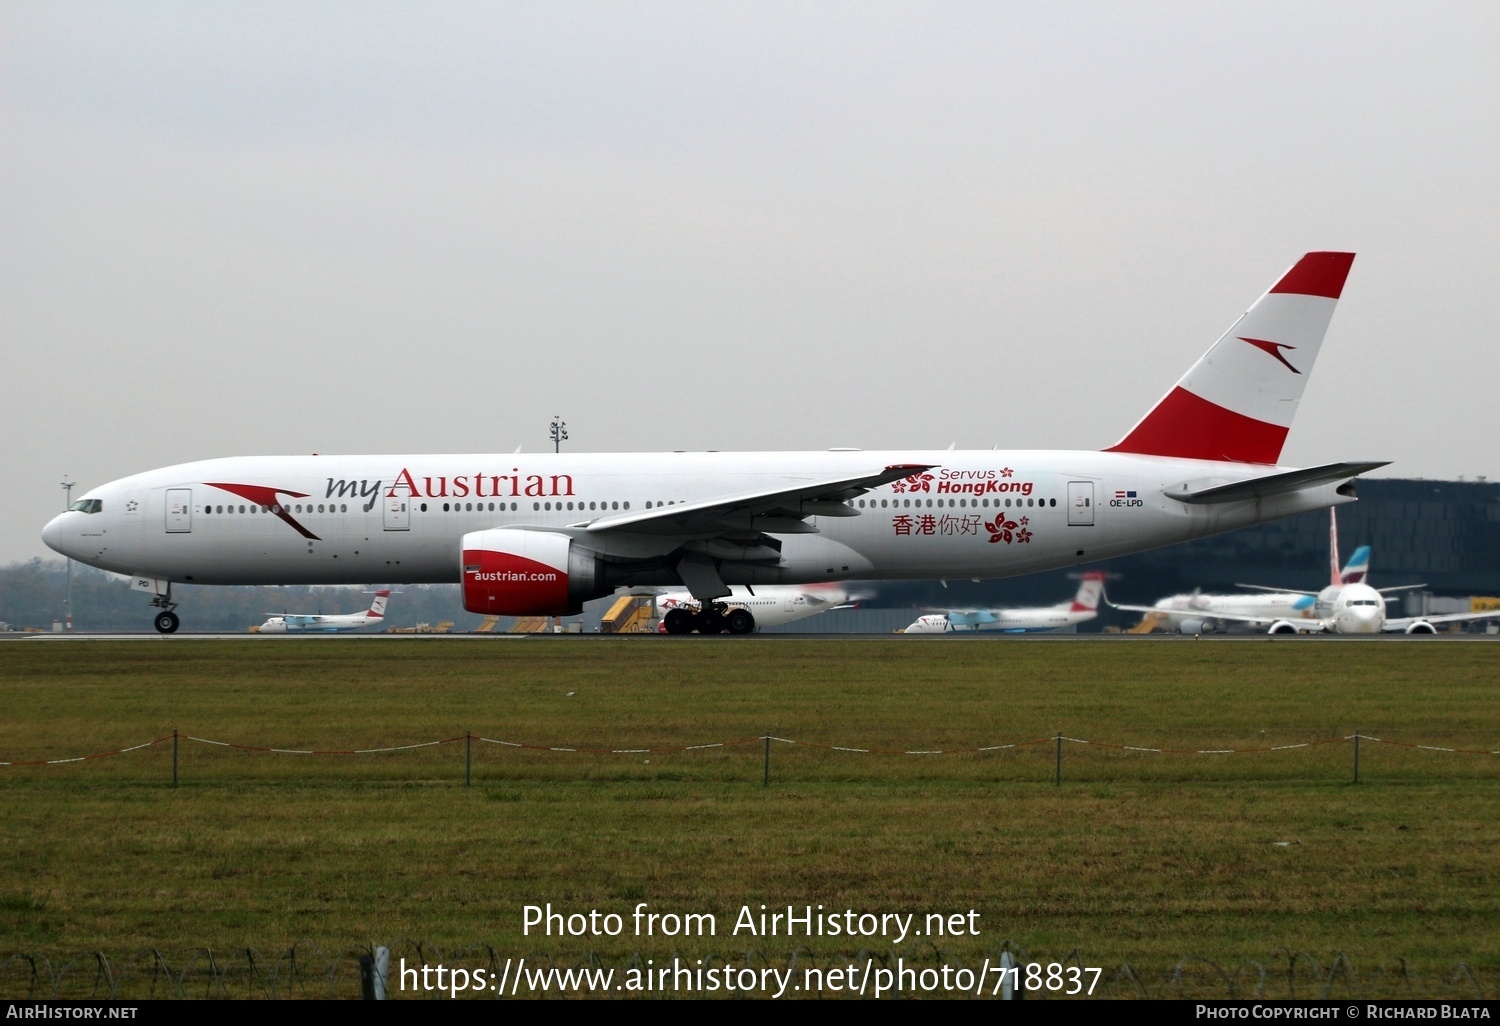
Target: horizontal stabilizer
column 1199, row 493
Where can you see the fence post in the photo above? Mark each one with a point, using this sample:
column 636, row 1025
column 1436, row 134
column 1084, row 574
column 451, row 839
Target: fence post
column 174, row 756
column 766, row 779
column 1058, row 779
column 1356, row 755
column 468, row 757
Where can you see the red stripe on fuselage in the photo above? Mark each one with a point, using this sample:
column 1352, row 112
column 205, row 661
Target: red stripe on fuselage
column 1317, row 274
column 1189, row 427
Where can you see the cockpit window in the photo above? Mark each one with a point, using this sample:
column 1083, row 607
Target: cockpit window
column 87, row 506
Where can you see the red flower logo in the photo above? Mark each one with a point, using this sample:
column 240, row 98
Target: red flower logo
column 1003, row 530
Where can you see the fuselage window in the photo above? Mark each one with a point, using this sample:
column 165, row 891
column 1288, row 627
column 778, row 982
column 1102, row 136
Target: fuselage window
column 343, row 507
column 614, row 505
column 1052, row 502
column 468, row 507
column 627, row 503
column 536, row 505
column 424, row 507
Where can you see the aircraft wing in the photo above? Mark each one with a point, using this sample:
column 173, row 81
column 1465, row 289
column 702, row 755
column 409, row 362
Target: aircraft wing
column 970, row 617
column 299, row 619
column 1400, row 623
column 1201, row 492
column 1204, row 614
column 775, row 511
column 1276, row 591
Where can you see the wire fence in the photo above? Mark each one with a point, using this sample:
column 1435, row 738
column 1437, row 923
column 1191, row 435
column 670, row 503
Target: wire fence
column 765, row 741
column 308, row 971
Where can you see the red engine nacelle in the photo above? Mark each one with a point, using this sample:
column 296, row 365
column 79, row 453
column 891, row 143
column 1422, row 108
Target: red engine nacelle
column 527, row 573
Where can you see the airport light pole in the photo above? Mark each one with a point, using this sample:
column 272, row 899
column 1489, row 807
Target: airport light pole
column 559, row 433
column 67, row 487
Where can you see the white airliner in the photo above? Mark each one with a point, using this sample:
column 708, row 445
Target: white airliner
column 1085, row 606
column 305, row 623
column 770, row 605
column 1197, row 613
column 1347, row 606
column 541, row 534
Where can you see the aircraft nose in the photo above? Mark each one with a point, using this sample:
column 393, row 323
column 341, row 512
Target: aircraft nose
column 52, row 534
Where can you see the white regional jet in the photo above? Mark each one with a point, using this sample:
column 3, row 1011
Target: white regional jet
column 1347, row 606
column 769, row 605
column 1085, row 606
column 540, row 534
column 307, row 623
column 1197, row 613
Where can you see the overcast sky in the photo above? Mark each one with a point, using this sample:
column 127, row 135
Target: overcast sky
column 242, row 228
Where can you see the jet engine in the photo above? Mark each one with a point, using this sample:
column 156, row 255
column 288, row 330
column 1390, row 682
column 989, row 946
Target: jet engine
column 1421, row 627
column 507, row 572
column 1195, row 626
column 1283, row 627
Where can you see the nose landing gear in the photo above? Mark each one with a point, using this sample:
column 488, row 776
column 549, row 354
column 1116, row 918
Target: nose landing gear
column 166, row 621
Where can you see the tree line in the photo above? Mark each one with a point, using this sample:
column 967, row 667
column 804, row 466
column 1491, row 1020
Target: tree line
column 34, row 594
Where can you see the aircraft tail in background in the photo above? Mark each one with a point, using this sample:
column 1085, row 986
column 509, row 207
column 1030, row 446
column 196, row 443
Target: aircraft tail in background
column 1089, row 591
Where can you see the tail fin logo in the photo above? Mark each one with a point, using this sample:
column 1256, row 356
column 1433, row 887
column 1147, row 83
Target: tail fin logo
column 1274, row 348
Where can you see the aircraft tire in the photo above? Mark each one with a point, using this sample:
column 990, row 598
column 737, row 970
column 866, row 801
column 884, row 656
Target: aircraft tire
column 710, row 623
column 167, row 622
column 740, row 621
column 678, row 621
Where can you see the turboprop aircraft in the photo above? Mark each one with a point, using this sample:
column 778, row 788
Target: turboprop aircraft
column 307, row 623
column 541, row 534
column 769, row 605
column 1347, row 606
column 1085, row 606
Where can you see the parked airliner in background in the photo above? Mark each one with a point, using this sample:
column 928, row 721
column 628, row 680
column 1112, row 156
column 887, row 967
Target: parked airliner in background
column 1197, row 613
column 307, row 623
column 1346, row 606
column 769, row 605
column 541, row 534
column 1084, row 607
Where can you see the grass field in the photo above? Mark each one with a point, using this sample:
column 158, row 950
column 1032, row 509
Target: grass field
column 1137, row 857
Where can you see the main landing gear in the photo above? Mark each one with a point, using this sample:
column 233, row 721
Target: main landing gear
column 713, row 618
column 166, row 621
